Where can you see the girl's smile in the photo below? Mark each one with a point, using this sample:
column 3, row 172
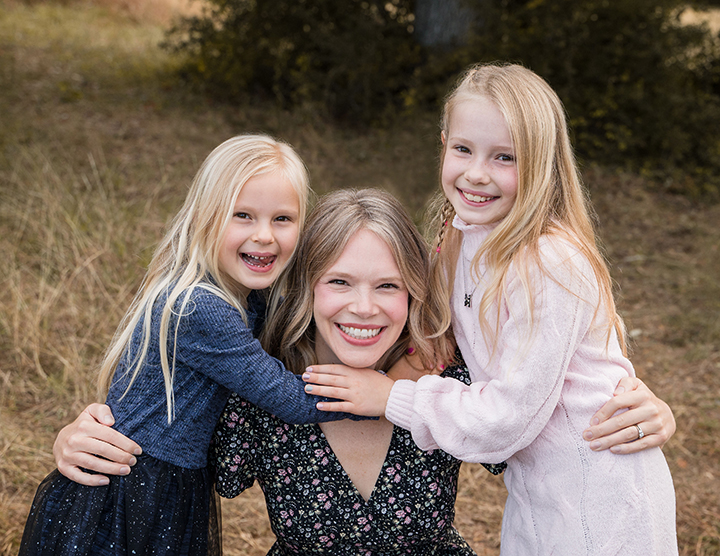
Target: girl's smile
column 479, row 173
column 262, row 233
column 360, row 304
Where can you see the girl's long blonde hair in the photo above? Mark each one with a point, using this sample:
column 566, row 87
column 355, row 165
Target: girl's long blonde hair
column 189, row 253
column 290, row 331
column 550, row 196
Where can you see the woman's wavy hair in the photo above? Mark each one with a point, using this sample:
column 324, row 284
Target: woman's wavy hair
column 550, row 197
column 290, row 331
column 189, row 253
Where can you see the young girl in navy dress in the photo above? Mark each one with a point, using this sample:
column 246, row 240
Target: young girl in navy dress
column 531, row 306
column 184, row 345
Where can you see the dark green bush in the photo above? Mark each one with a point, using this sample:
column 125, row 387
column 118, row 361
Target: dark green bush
column 351, row 57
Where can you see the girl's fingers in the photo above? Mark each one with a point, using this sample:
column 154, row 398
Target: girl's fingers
column 326, row 391
column 339, row 370
column 325, row 379
column 344, row 407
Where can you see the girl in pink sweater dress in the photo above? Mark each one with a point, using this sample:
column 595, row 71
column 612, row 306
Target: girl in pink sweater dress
column 532, row 311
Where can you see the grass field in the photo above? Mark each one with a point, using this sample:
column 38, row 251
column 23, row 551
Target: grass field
column 98, row 144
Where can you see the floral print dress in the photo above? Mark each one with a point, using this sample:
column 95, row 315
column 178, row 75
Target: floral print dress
column 313, row 506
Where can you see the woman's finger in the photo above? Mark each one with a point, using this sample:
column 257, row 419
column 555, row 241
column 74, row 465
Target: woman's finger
column 101, row 413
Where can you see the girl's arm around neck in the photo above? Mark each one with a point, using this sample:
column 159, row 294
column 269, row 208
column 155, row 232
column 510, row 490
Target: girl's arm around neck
column 214, row 340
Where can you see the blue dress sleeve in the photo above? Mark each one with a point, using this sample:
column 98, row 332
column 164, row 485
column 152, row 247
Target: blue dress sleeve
column 213, row 339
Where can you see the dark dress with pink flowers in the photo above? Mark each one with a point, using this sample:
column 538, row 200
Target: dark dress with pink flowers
column 313, row 506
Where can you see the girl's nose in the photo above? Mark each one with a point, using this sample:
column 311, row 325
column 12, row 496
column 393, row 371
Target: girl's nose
column 263, row 234
column 477, row 173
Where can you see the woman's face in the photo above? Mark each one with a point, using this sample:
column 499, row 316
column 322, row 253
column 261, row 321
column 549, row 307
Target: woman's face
column 360, row 304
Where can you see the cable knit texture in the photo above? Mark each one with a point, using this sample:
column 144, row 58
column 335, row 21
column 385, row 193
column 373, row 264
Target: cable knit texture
column 530, row 402
column 216, row 354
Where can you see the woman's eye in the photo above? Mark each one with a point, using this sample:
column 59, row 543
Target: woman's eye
column 338, row 282
column 389, row 286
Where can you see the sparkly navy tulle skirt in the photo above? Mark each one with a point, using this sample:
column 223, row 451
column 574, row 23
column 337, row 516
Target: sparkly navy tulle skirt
column 159, row 509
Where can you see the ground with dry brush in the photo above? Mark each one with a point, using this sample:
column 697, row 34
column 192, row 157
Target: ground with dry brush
column 98, row 143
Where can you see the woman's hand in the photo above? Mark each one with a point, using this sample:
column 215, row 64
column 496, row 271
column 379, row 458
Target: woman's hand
column 79, row 444
column 363, row 391
column 620, row 433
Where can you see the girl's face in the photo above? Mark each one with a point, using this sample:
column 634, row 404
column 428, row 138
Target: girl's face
column 479, row 173
column 262, row 233
column 360, row 304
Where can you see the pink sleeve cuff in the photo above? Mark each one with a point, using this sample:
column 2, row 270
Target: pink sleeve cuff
column 399, row 409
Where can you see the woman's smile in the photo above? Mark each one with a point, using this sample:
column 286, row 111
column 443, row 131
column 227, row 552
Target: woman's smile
column 360, row 333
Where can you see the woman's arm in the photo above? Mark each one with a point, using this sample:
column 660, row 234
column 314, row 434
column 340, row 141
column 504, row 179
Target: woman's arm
column 90, row 443
column 619, row 432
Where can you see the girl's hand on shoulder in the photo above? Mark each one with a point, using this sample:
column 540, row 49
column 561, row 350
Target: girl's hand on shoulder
column 620, row 432
column 89, row 442
column 361, row 391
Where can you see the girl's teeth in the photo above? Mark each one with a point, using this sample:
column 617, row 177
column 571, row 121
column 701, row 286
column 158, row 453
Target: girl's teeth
column 476, row 198
column 360, row 333
column 258, row 261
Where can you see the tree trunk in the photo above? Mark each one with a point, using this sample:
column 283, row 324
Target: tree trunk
column 442, row 23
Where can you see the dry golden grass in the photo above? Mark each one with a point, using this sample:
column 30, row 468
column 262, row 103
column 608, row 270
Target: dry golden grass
column 98, row 144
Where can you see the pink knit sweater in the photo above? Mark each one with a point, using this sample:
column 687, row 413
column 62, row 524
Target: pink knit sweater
column 529, row 404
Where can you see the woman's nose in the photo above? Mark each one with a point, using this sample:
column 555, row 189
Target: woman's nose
column 364, row 304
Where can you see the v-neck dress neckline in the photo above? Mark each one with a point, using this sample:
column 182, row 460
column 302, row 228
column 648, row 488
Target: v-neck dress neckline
column 314, row 507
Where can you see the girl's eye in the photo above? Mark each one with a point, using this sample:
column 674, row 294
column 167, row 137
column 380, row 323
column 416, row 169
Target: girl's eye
column 462, row 149
column 506, row 158
column 241, row 215
column 283, row 219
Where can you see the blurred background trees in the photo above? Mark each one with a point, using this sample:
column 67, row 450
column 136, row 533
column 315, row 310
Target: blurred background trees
column 641, row 88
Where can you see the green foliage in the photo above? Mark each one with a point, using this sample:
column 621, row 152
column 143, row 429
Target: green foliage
column 352, row 57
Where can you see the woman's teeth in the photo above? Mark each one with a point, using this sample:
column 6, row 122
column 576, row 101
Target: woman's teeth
column 476, row 198
column 360, row 333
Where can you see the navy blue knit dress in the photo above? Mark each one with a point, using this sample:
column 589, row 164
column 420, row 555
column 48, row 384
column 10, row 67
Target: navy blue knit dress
column 165, row 506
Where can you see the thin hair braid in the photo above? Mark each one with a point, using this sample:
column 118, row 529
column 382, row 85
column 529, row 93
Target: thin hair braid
column 446, row 213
